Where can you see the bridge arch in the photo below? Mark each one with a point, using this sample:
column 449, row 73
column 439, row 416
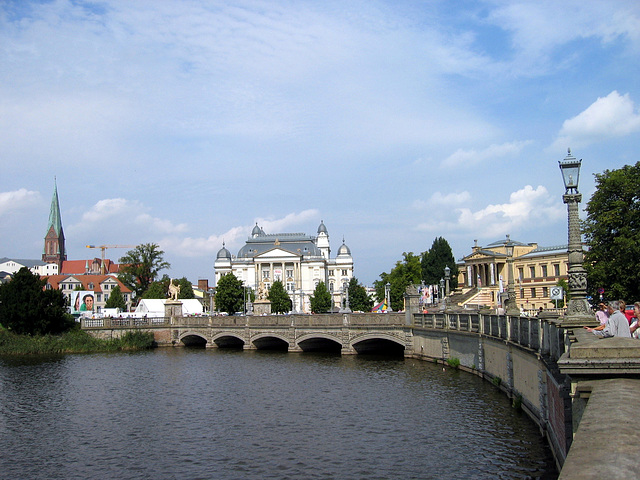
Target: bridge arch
column 378, row 343
column 314, row 342
column 193, row 339
column 228, row 340
column 270, row 341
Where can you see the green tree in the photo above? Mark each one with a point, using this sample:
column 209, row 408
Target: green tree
column 229, row 294
column 141, row 266
column 116, row 299
column 280, row 301
column 359, row 300
column 434, row 261
column 321, row 299
column 612, row 234
column 186, row 288
column 406, row 272
column 157, row 289
column 27, row 308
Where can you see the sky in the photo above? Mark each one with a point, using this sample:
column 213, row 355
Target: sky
column 184, row 123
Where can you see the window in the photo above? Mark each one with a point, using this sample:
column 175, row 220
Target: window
column 291, row 286
column 344, row 273
column 533, row 293
column 331, row 273
column 289, row 273
column 556, row 269
column 545, row 292
column 265, row 274
column 532, row 270
column 520, row 273
column 106, row 297
column 522, row 293
column 331, row 287
column 90, row 286
column 544, row 271
column 98, row 297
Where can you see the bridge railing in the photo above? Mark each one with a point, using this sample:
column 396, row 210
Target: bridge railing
column 543, row 335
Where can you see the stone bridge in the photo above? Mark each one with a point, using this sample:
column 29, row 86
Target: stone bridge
column 350, row 333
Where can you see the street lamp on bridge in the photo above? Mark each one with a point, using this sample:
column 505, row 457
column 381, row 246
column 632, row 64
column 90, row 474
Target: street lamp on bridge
column 578, row 309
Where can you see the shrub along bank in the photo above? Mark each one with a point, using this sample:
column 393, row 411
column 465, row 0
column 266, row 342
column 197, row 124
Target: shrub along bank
column 72, row 341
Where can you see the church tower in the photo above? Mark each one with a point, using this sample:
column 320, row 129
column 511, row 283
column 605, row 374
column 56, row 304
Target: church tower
column 54, row 251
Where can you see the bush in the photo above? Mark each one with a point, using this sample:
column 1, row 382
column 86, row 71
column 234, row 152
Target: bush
column 453, row 362
column 73, row 341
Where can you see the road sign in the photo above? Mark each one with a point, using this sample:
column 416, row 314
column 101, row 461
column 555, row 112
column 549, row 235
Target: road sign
column 556, row 293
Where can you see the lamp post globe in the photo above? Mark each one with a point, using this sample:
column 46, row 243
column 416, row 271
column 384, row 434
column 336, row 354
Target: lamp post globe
column 578, row 309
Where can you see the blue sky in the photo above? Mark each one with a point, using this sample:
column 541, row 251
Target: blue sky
column 183, row 123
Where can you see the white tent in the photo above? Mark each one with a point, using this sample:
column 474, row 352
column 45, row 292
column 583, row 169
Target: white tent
column 155, row 307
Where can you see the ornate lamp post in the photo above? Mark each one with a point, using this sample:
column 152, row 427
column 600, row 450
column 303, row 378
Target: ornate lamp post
column 387, row 295
column 578, row 309
column 512, row 304
column 447, row 276
column 441, row 292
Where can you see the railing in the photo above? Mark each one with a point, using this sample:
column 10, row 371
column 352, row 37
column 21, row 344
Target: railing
column 256, row 321
column 543, row 335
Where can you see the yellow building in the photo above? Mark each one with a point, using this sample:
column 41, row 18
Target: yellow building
column 484, row 274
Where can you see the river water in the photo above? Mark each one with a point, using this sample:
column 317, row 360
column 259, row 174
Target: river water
column 200, row 414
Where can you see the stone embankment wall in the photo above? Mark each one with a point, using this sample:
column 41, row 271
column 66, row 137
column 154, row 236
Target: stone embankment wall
column 517, row 354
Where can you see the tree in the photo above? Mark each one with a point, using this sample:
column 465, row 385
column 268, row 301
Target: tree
column 27, row 308
column 612, row 234
column 359, row 299
column 116, row 299
column 280, row 301
column 434, row 261
column 405, row 273
column 141, row 266
column 321, row 299
column 186, row 288
column 229, row 294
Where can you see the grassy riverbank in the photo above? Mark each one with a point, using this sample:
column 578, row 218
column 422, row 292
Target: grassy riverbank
column 73, row 341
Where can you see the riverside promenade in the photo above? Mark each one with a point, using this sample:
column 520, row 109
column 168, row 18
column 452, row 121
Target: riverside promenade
column 582, row 391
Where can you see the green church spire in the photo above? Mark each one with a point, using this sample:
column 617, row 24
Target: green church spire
column 54, row 247
column 55, row 220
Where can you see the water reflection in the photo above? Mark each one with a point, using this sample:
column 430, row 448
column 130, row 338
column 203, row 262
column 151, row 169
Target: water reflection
column 178, row 413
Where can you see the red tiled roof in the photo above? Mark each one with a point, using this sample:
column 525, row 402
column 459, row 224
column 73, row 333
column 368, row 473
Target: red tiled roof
column 79, row 267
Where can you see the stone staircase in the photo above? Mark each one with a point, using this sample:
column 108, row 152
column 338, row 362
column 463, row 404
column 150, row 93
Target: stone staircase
column 472, row 296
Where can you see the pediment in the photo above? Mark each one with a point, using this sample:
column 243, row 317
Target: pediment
column 277, row 253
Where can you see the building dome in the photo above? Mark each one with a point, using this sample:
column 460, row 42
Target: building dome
column 344, row 250
column 224, row 253
column 256, row 231
column 322, row 228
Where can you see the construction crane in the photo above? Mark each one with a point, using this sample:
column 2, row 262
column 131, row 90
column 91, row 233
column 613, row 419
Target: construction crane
column 103, row 248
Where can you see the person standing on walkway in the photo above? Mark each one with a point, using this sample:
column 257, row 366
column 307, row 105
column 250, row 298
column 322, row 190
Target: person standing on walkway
column 617, row 325
column 633, row 328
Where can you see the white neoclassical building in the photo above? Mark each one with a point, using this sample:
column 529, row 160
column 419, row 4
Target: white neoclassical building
column 298, row 260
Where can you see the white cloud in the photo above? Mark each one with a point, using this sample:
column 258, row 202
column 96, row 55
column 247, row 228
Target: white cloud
column 472, row 157
column 121, row 214
column 438, row 198
column 526, row 208
column 234, row 237
column 284, row 224
column 608, row 117
column 16, row 200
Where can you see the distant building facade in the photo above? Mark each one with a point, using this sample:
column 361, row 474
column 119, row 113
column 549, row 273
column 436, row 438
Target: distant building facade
column 484, row 275
column 37, row 267
column 298, row 260
column 100, row 285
